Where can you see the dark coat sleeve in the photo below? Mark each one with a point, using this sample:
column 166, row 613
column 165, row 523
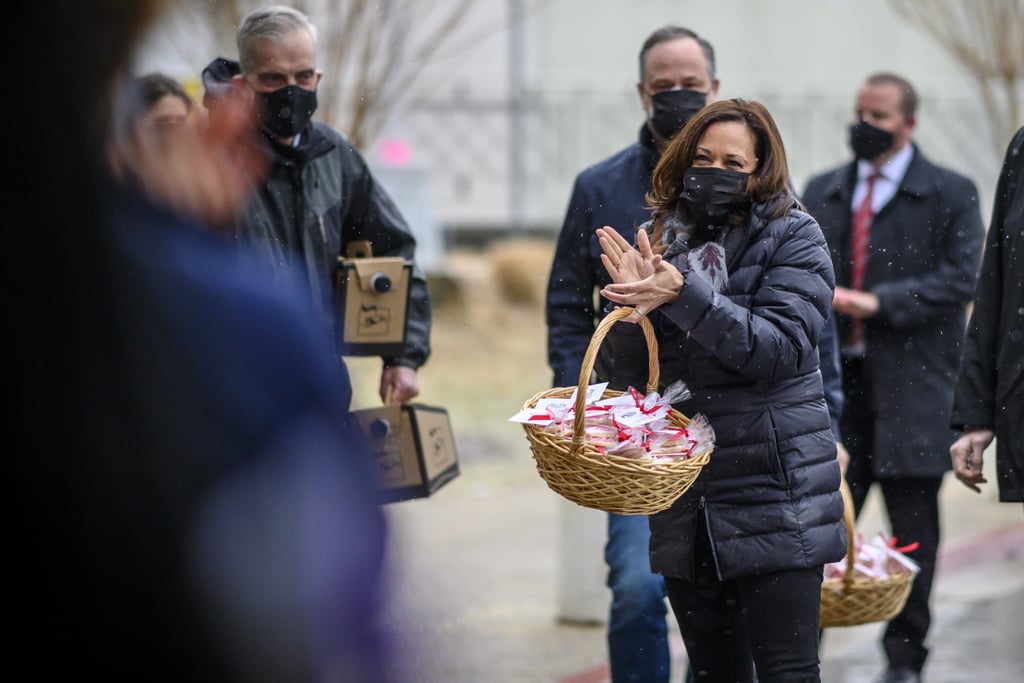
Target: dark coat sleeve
column 570, row 294
column 621, row 358
column 765, row 341
column 374, row 216
column 924, row 297
column 831, row 376
column 974, row 402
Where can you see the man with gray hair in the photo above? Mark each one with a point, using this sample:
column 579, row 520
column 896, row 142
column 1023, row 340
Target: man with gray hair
column 319, row 194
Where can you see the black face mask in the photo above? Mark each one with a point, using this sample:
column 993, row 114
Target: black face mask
column 867, row 141
column 671, row 109
column 285, row 112
column 710, row 194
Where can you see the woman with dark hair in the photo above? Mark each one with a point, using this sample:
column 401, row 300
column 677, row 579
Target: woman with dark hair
column 164, row 100
column 203, row 170
column 738, row 284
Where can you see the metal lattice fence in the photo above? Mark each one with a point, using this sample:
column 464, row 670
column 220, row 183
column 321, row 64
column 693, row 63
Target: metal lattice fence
column 487, row 173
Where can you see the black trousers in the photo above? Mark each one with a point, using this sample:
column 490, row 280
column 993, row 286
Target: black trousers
column 769, row 621
column 912, row 506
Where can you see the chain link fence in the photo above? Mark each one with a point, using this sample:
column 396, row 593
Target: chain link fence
column 488, row 175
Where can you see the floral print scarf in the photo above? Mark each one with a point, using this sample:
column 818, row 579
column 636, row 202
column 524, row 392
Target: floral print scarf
column 708, row 259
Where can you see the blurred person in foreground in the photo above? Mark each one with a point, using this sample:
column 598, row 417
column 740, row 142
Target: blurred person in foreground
column 189, row 502
column 737, row 282
column 989, row 398
column 677, row 79
column 905, row 238
column 319, row 194
column 158, row 147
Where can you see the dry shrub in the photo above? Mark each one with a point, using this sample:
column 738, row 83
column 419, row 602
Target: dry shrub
column 445, row 291
column 487, row 356
column 521, row 268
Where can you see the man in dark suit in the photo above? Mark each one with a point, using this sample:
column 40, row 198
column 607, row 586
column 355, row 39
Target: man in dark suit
column 905, row 237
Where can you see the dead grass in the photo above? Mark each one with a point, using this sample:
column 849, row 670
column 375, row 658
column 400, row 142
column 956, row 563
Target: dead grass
column 521, row 270
column 489, row 343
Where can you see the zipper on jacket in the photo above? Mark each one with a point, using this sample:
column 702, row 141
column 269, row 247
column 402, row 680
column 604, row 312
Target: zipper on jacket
column 330, row 265
column 711, row 541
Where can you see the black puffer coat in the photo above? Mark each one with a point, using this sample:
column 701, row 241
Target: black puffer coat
column 749, row 357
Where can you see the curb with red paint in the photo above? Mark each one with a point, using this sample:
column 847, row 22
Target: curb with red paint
column 996, row 545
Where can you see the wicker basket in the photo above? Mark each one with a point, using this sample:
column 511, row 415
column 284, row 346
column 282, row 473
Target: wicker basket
column 578, row 471
column 854, row 600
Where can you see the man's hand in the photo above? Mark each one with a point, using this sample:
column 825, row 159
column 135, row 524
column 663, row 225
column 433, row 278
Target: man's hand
column 399, row 384
column 966, row 454
column 855, row 303
column 843, row 456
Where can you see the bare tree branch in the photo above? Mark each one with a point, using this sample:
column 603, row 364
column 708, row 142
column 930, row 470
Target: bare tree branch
column 986, row 37
column 375, row 54
column 397, row 75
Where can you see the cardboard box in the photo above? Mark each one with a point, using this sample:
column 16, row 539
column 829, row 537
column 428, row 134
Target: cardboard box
column 412, row 447
column 373, row 296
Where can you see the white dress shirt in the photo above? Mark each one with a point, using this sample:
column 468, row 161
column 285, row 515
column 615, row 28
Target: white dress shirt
column 889, row 179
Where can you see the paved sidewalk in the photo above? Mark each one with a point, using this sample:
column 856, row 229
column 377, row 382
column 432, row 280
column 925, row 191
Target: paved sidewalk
column 476, row 579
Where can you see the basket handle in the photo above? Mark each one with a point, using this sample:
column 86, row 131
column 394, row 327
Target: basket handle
column 848, row 519
column 590, row 356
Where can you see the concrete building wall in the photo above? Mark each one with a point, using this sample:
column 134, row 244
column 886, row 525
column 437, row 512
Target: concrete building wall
column 525, row 93
column 804, row 59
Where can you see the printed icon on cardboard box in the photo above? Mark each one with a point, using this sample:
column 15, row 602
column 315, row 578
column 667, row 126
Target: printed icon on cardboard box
column 372, row 299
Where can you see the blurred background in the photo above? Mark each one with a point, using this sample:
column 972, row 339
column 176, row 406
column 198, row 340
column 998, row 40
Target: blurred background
column 479, row 114
column 476, row 116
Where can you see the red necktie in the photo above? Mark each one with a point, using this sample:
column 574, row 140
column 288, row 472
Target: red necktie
column 859, row 234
